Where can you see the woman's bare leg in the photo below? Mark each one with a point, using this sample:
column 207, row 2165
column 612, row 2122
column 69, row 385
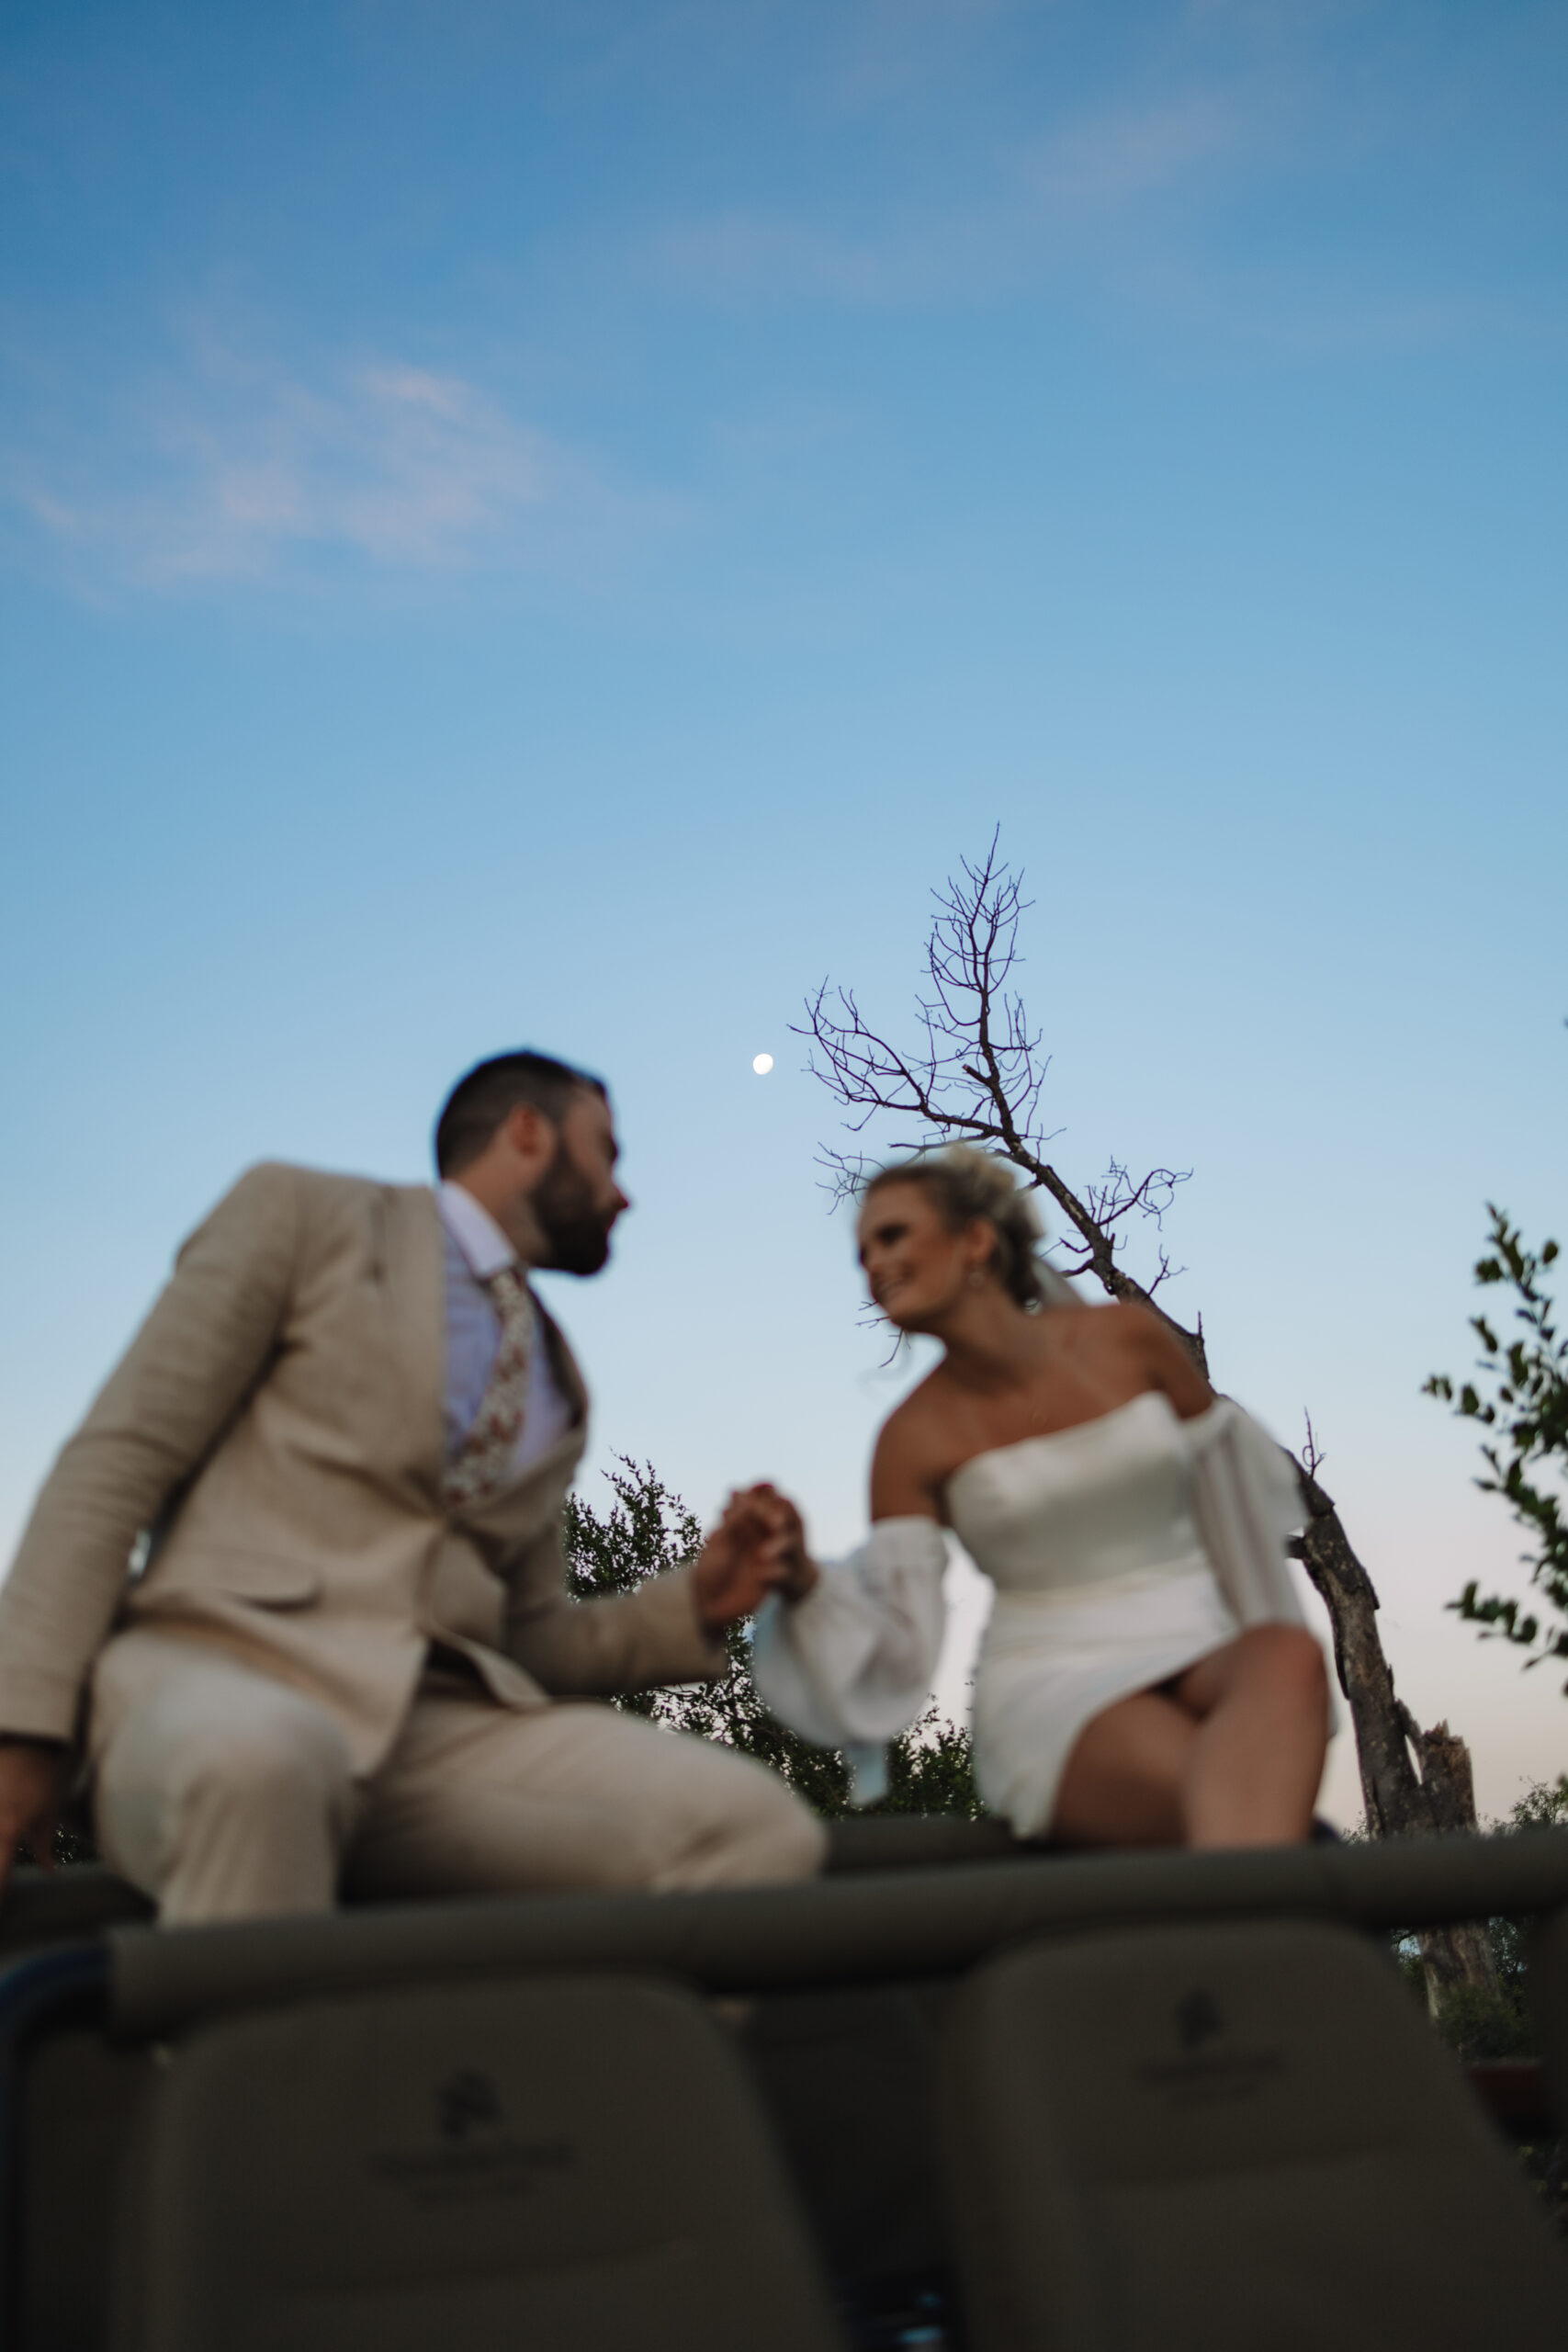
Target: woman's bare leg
column 1255, row 1758
column 1231, row 1754
column 1126, row 1779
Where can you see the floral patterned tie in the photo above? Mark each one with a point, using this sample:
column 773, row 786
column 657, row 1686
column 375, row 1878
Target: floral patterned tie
column 482, row 1463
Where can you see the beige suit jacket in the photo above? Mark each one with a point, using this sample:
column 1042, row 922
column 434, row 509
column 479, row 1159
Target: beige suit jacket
column 276, row 1423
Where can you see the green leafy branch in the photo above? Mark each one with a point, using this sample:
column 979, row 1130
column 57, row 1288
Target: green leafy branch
column 1522, row 1399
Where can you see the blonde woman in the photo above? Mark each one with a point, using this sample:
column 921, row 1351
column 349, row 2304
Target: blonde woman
column 1146, row 1677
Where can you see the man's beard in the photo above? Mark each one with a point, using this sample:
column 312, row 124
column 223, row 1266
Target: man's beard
column 577, row 1234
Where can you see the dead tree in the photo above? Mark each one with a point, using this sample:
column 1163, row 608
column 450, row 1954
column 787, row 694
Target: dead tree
column 974, row 1073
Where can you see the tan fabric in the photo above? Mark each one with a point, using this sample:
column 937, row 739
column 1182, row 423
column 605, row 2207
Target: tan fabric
column 226, row 1795
column 277, row 1422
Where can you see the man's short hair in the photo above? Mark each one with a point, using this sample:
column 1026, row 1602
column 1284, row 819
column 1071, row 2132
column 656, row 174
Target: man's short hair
column 493, row 1090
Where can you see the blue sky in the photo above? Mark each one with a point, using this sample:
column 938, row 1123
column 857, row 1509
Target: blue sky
column 563, row 524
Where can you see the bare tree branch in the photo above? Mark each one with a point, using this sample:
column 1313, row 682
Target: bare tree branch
column 1313, row 1458
column 977, row 1076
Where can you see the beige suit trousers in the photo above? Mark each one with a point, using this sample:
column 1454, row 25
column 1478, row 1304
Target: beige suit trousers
column 224, row 1795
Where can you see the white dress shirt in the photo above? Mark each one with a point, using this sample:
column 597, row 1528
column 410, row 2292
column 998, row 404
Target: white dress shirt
column 476, row 1248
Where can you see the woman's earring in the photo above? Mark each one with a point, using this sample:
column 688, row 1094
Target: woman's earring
column 976, row 1278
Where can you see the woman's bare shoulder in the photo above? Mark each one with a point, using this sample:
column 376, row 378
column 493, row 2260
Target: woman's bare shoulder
column 1095, row 1334
column 1127, row 1322
column 1117, row 1323
column 1141, row 1332
column 903, row 1479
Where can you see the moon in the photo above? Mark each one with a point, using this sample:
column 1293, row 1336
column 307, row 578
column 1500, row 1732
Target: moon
column 762, row 1064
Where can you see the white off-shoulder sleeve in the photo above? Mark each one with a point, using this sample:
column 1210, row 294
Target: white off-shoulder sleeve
column 852, row 1664
column 1247, row 1503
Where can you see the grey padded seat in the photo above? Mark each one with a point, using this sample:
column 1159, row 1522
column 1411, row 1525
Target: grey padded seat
column 1228, row 2139
column 77, row 2103
column 547, row 2165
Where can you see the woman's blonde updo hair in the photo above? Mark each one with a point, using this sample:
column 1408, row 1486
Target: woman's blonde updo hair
column 965, row 1184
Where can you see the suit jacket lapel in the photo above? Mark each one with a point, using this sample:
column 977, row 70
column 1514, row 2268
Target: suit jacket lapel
column 563, row 1364
column 416, row 1288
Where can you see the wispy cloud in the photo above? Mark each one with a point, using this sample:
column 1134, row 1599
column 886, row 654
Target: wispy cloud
column 1128, row 153
column 1031, row 206
column 741, row 255
column 1145, row 202
column 237, row 468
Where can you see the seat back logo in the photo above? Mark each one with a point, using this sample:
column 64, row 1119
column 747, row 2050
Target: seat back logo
column 1209, row 2068
column 467, row 2101
column 1197, row 2019
column 473, row 2153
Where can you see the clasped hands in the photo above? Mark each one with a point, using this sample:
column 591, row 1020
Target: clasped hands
column 758, row 1548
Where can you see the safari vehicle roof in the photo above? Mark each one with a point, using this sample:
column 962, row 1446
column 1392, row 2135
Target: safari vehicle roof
column 883, row 1914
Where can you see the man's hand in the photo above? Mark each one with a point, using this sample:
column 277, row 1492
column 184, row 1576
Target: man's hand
column 30, row 1774
column 758, row 1547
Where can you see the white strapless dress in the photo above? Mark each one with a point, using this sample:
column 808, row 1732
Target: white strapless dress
column 1121, row 1552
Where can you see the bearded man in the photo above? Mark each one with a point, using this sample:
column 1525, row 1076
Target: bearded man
column 292, row 1599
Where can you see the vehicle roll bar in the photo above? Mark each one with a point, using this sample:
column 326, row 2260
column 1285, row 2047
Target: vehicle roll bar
column 876, row 1926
